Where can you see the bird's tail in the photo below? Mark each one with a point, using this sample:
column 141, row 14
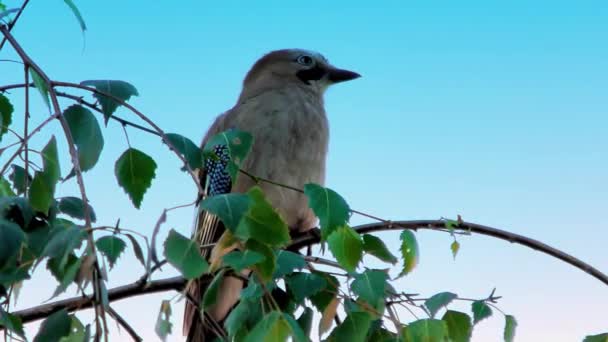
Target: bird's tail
column 197, row 328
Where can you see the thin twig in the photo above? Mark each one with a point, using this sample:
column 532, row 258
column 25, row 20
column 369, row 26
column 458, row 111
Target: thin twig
column 123, row 122
column 135, row 111
column 26, row 125
column 322, row 261
column 14, row 21
column 152, row 253
column 26, row 139
column 118, row 318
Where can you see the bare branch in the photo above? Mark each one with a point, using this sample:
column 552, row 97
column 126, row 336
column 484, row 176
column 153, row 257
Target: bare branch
column 115, row 294
column 139, row 287
column 312, row 238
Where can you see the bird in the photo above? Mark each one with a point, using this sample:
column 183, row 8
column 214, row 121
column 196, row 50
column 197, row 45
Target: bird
column 281, row 105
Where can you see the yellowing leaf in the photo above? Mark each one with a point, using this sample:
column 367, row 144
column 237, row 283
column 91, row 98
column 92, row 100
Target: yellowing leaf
column 328, row 316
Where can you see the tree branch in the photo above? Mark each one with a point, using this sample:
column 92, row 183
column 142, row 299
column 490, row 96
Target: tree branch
column 139, row 288
column 311, row 238
column 115, row 294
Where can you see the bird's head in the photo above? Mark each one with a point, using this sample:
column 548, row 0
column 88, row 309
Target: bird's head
column 306, row 68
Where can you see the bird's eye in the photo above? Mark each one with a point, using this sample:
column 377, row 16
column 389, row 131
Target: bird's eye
column 305, row 60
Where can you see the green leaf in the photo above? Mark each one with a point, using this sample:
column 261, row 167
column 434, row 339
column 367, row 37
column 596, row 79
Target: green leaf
column 238, row 144
column 188, row 149
column 12, row 275
column 241, row 260
column 38, row 239
column 267, row 266
column 16, row 209
column 597, row 338
column 19, row 179
column 511, row 324
column 324, row 297
column 42, row 189
column 185, row 255
column 54, row 327
column 262, row 222
column 64, row 239
column 346, row 245
column 428, row 330
column 134, row 171
column 374, row 246
column 74, row 207
column 12, row 323
column 272, row 328
column 230, row 208
column 12, row 237
column 78, row 332
column 331, row 209
column 139, row 254
column 163, row 323
column 77, row 14
column 119, row 89
column 287, row 262
column 5, row 188
column 438, row 301
column 369, row 286
column 305, row 321
column 254, row 290
column 52, row 265
column 303, row 285
column 111, row 246
column 6, row 115
column 241, row 315
column 455, row 247
column 68, row 276
column 86, row 134
column 41, row 193
column 210, row 296
column 459, row 326
column 296, row 330
column 379, row 334
column 41, row 85
column 353, row 329
column 481, row 310
column 409, row 252
column 50, row 161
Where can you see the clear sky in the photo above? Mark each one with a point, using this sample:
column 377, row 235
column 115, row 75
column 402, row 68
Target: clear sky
column 497, row 111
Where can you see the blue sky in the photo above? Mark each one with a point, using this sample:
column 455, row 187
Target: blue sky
column 495, row 111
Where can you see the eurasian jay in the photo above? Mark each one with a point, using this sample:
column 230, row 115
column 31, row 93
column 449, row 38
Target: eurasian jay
column 281, row 106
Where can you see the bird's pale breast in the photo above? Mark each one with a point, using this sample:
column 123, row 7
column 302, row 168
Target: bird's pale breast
column 291, row 137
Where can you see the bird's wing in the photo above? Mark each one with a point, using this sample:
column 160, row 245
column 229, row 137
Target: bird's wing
column 208, row 228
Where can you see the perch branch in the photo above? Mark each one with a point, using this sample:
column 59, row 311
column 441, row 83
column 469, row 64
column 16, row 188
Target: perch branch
column 139, row 288
column 309, row 239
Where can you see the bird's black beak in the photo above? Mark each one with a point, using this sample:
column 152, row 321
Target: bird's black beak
column 336, row 75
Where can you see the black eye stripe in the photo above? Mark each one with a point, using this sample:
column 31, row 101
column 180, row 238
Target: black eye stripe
column 312, row 74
